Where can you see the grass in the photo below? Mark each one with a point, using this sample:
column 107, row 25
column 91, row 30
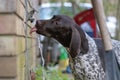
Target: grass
column 50, row 74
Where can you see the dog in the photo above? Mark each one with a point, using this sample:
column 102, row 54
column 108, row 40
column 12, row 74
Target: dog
column 85, row 53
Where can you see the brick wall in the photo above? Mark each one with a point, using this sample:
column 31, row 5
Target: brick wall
column 12, row 41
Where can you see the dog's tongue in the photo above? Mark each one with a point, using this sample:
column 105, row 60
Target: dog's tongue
column 33, row 30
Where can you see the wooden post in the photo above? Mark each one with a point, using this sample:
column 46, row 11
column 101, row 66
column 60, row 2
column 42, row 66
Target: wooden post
column 112, row 70
column 99, row 13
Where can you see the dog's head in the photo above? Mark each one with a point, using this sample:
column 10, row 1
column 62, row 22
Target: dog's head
column 66, row 31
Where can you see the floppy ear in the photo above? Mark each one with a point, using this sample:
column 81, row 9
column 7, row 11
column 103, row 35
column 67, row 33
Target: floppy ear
column 84, row 42
column 75, row 43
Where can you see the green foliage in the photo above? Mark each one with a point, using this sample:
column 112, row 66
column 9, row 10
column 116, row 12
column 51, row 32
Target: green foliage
column 50, row 74
column 66, row 11
column 52, row 0
column 109, row 8
column 69, row 11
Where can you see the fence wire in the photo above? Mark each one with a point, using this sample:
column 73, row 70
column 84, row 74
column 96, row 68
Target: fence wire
column 28, row 15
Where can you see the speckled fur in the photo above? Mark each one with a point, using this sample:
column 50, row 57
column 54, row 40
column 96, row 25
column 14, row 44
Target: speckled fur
column 88, row 66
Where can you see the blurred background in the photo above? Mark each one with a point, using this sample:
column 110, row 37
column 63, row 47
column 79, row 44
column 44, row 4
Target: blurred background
column 20, row 53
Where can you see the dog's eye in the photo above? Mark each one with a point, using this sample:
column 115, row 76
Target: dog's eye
column 54, row 22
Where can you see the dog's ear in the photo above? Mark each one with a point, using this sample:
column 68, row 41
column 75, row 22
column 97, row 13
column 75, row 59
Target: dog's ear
column 84, row 45
column 84, row 42
column 75, row 43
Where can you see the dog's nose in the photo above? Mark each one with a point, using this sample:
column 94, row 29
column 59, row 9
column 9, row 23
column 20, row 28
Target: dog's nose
column 38, row 22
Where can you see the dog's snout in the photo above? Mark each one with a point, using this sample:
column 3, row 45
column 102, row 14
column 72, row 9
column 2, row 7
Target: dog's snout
column 38, row 22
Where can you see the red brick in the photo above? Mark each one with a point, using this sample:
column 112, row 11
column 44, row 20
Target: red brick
column 8, row 79
column 7, row 46
column 8, row 67
column 6, row 6
column 11, row 24
column 7, row 24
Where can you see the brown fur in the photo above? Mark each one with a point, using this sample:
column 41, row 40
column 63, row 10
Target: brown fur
column 66, row 31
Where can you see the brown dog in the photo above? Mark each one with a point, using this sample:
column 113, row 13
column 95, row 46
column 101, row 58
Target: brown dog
column 87, row 58
column 66, row 31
